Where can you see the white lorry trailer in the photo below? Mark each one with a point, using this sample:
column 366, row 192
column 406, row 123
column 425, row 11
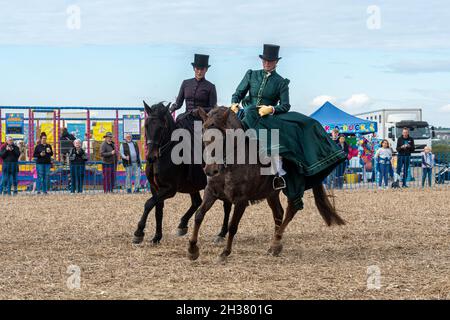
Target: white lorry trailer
column 392, row 121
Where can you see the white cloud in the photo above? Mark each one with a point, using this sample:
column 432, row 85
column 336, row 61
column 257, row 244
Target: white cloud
column 356, row 102
column 445, row 108
column 320, row 100
column 404, row 24
column 414, row 67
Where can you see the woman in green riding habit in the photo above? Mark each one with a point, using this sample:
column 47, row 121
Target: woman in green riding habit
column 308, row 153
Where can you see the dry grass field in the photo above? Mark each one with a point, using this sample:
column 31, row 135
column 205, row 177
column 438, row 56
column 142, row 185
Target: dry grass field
column 404, row 233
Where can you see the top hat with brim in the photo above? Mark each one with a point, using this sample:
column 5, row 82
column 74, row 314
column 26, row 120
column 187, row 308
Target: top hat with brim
column 201, row 61
column 108, row 134
column 270, row 52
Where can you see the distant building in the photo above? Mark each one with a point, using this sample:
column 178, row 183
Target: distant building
column 443, row 134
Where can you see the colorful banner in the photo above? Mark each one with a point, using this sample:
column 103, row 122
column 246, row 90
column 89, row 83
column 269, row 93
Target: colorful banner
column 132, row 124
column 362, row 128
column 14, row 125
column 77, row 129
column 48, row 129
column 100, row 129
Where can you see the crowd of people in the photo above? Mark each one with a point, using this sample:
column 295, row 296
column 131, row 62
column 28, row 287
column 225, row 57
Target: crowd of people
column 77, row 157
column 384, row 162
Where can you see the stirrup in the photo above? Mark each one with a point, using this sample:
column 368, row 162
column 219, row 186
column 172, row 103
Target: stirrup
column 282, row 183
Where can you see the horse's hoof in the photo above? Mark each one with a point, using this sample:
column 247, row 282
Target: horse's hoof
column 138, row 240
column 155, row 242
column 193, row 254
column 182, row 231
column 222, row 259
column 219, row 239
column 275, row 250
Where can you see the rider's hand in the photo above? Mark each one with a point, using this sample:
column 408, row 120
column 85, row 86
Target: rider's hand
column 234, row 107
column 265, row 110
column 173, row 108
column 113, row 152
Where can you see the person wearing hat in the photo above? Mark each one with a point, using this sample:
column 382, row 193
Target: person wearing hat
column 109, row 159
column 10, row 154
column 43, row 154
column 308, row 154
column 196, row 92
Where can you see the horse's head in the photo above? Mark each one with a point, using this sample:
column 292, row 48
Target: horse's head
column 220, row 118
column 158, row 128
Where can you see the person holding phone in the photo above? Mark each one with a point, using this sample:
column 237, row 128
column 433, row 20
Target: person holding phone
column 43, row 154
column 405, row 146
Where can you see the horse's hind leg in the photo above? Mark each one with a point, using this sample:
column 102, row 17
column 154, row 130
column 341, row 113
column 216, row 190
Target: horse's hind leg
column 226, row 217
column 276, row 246
column 277, row 211
column 139, row 233
column 196, row 201
column 239, row 210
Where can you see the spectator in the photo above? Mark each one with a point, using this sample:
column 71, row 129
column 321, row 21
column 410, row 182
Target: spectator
column 340, row 169
column 65, row 135
column 23, row 151
column 35, row 178
column 335, row 134
column 77, row 158
column 43, row 153
column 109, row 158
column 427, row 165
column 1, row 162
column 87, row 143
column 10, row 154
column 405, row 146
column 383, row 158
column 129, row 151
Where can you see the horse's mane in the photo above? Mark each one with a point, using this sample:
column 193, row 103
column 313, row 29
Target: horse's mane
column 163, row 110
column 232, row 120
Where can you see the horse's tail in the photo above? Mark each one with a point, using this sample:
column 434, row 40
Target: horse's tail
column 326, row 209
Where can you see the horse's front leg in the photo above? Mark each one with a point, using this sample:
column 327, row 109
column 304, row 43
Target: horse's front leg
column 159, row 218
column 196, row 201
column 226, row 217
column 139, row 233
column 207, row 203
column 239, row 209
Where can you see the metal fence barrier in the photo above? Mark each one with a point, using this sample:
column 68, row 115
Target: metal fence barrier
column 91, row 178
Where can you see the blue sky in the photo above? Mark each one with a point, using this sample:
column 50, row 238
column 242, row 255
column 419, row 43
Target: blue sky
column 126, row 51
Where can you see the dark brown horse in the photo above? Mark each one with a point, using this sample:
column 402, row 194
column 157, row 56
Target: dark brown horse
column 166, row 178
column 242, row 184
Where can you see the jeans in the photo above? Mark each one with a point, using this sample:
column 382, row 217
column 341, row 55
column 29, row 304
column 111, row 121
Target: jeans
column 133, row 169
column 384, row 169
column 9, row 176
column 43, row 181
column 426, row 172
column 109, row 177
column 340, row 170
column 403, row 163
column 77, row 177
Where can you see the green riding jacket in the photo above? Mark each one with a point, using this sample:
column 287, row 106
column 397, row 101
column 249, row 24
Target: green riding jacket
column 311, row 153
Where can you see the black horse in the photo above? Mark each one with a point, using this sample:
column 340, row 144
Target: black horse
column 166, row 178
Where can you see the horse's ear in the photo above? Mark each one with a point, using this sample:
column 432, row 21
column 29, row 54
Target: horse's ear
column 146, row 108
column 168, row 105
column 202, row 113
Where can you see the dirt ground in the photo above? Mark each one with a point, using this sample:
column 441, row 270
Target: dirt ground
column 404, row 235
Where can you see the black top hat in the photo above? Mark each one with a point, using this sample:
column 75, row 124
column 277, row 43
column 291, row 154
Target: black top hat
column 201, row 61
column 270, row 52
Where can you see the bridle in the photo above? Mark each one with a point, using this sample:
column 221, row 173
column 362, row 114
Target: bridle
column 162, row 136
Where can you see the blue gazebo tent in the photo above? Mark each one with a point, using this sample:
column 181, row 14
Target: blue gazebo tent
column 331, row 117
